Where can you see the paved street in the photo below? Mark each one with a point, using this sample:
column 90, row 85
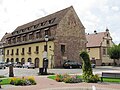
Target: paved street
column 34, row 72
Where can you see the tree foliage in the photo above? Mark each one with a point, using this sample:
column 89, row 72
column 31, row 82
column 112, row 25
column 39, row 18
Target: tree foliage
column 114, row 52
column 86, row 67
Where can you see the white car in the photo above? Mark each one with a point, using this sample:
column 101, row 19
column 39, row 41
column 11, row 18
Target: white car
column 29, row 65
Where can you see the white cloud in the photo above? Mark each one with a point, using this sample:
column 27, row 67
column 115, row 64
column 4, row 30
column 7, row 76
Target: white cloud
column 115, row 8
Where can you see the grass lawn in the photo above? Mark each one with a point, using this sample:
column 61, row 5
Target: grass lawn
column 111, row 80
column 104, row 79
column 5, row 81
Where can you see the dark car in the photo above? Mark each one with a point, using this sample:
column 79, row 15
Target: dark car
column 72, row 64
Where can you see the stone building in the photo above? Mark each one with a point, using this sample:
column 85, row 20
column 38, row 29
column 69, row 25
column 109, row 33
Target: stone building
column 66, row 36
column 97, row 47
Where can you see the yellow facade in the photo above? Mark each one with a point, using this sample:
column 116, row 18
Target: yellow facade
column 33, row 55
column 94, row 53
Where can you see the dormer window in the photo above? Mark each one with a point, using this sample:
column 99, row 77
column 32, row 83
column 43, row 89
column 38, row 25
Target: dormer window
column 43, row 23
column 35, row 26
column 47, row 32
column 52, row 20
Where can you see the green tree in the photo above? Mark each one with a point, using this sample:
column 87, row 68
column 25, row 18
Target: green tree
column 114, row 52
column 86, row 67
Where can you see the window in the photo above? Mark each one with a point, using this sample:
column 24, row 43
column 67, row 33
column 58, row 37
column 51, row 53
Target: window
column 45, row 48
column 37, row 50
column 24, row 37
column 17, row 51
column 29, row 50
column 18, row 39
column 47, row 32
column 51, row 21
column 35, row 26
column 104, row 51
column 7, row 52
column 38, row 34
column 22, row 51
column 107, row 42
column 31, row 36
column 12, row 52
column 14, row 40
column 62, row 49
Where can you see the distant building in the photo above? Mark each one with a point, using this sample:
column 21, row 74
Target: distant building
column 66, row 39
column 2, row 42
column 97, row 47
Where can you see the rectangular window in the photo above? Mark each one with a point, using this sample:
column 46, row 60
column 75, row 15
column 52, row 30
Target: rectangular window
column 47, row 32
column 14, row 40
column 45, row 48
column 29, row 50
column 104, row 51
column 24, row 37
column 7, row 52
column 12, row 52
column 38, row 34
column 107, row 42
column 22, row 51
column 17, row 51
column 37, row 50
column 31, row 36
column 18, row 39
column 62, row 49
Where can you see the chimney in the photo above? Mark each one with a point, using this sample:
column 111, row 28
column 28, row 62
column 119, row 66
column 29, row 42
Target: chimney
column 95, row 32
column 107, row 30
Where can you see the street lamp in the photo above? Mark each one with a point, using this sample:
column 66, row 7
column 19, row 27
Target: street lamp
column 45, row 60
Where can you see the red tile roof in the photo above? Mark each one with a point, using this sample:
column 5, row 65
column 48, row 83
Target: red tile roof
column 94, row 40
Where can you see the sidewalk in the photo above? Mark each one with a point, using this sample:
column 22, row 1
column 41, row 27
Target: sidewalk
column 43, row 83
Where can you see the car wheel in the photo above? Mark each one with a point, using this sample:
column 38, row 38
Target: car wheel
column 70, row 67
column 80, row 67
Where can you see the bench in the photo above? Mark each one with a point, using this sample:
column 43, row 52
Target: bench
column 110, row 75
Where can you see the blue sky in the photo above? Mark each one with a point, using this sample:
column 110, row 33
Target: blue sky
column 94, row 14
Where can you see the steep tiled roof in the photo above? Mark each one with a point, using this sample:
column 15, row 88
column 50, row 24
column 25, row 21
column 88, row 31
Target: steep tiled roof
column 95, row 40
column 5, row 36
column 57, row 16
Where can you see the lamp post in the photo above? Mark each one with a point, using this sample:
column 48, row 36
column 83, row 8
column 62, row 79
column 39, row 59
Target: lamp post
column 45, row 60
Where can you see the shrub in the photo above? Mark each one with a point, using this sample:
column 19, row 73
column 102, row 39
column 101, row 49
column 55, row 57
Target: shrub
column 92, row 79
column 86, row 68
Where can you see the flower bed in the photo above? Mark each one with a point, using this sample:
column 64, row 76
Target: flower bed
column 23, row 81
column 68, row 79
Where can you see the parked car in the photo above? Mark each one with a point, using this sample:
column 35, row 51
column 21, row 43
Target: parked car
column 18, row 65
column 72, row 64
column 2, row 65
column 8, row 64
column 93, row 65
column 29, row 65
